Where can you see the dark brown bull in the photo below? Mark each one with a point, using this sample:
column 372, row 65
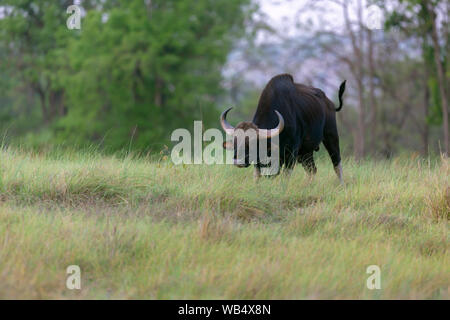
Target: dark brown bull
column 301, row 115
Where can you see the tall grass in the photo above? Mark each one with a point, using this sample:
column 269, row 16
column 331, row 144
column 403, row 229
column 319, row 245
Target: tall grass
column 140, row 228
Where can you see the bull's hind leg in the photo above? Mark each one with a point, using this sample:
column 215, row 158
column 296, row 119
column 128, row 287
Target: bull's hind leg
column 287, row 161
column 331, row 142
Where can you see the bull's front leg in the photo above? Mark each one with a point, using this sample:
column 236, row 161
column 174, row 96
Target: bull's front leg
column 289, row 164
column 257, row 173
column 307, row 161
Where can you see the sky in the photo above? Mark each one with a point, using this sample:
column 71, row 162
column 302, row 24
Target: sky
column 291, row 19
column 284, row 15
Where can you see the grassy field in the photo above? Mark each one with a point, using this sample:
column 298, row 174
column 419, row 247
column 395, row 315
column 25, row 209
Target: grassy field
column 140, row 228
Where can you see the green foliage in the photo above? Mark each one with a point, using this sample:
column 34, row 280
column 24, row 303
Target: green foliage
column 133, row 73
column 413, row 18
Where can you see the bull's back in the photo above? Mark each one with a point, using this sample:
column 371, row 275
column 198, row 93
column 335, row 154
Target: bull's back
column 314, row 113
column 304, row 109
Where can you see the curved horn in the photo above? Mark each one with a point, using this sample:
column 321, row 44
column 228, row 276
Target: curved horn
column 266, row 134
column 228, row 128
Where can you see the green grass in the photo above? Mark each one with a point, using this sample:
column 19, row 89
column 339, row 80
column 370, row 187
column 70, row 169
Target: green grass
column 140, row 228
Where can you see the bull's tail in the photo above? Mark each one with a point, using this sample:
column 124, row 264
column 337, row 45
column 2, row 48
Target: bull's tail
column 341, row 93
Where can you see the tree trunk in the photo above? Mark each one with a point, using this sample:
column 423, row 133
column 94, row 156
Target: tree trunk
column 425, row 131
column 158, row 92
column 441, row 78
column 373, row 103
column 357, row 45
column 360, row 148
column 43, row 100
column 56, row 104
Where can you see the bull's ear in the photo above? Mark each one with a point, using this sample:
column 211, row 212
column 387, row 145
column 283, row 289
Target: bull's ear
column 227, row 145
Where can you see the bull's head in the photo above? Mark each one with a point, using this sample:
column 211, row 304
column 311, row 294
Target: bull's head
column 246, row 137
